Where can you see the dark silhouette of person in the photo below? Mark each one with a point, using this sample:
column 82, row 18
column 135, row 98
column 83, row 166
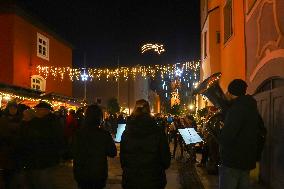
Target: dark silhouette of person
column 92, row 146
column 9, row 129
column 144, row 151
column 239, row 138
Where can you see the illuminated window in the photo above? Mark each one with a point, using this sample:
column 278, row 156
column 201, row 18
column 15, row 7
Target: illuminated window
column 38, row 83
column 42, row 46
column 228, row 20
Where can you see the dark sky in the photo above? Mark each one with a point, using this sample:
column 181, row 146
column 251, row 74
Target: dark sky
column 106, row 29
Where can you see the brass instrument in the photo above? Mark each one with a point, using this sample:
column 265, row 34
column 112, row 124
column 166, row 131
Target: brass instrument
column 210, row 88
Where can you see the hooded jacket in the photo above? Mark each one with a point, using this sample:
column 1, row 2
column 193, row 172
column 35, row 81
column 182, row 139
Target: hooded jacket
column 144, row 154
column 92, row 145
column 239, row 136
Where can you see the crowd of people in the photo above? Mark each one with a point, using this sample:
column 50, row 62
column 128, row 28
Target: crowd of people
column 33, row 141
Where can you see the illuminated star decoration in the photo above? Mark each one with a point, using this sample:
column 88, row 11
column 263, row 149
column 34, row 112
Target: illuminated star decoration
column 157, row 48
column 84, row 76
column 178, row 72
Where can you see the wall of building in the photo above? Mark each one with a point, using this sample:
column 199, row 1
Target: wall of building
column 25, row 57
column 233, row 51
column 6, row 48
column 129, row 91
column 18, row 54
column 264, row 42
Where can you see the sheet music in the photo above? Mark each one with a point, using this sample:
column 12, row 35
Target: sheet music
column 190, row 136
column 119, row 131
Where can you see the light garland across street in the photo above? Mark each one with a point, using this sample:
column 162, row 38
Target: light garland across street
column 90, row 74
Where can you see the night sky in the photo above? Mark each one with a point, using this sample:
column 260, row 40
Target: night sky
column 106, row 30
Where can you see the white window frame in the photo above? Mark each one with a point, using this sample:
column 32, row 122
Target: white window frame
column 38, row 83
column 42, row 44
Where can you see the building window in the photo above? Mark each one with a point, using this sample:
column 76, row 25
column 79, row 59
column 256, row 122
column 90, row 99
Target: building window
column 38, row 83
column 42, row 46
column 228, row 20
column 218, row 38
column 270, row 84
column 204, row 44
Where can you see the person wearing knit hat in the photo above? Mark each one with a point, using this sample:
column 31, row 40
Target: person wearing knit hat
column 237, row 87
column 239, row 138
column 42, row 109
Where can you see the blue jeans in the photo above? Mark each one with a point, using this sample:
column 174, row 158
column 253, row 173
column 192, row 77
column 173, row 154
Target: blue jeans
column 230, row 178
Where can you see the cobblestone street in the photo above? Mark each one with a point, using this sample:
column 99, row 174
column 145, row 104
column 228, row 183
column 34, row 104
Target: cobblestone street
column 64, row 176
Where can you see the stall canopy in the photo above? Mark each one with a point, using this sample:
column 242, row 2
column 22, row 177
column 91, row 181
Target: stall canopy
column 31, row 97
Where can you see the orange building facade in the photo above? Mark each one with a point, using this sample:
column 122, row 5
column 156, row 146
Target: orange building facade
column 245, row 39
column 222, row 40
column 25, row 43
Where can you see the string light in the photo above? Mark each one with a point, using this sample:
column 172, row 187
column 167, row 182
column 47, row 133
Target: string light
column 122, row 72
column 157, row 48
column 53, row 103
column 9, row 96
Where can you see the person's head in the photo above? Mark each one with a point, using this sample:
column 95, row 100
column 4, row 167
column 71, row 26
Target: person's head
column 22, row 108
column 236, row 88
column 142, row 107
column 190, row 119
column 42, row 109
column 93, row 115
column 72, row 112
column 12, row 108
column 28, row 114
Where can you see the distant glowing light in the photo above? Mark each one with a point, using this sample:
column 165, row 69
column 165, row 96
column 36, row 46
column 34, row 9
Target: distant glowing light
column 7, row 98
column 191, row 106
column 164, row 85
column 156, row 47
column 195, row 85
column 84, row 76
column 178, row 72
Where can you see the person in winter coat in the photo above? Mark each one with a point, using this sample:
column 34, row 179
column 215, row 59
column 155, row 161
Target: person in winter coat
column 70, row 127
column 92, row 146
column 9, row 132
column 42, row 144
column 239, row 138
column 144, row 151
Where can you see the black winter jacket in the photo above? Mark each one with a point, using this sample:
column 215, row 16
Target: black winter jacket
column 238, row 138
column 42, row 142
column 144, row 154
column 91, row 147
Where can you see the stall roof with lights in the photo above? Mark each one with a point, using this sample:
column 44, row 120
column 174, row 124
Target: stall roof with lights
column 26, row 94
column 20, row 91
column 63, row 98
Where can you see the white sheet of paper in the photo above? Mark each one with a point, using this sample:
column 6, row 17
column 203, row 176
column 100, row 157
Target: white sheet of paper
column 189, row 135
column 119, row 131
